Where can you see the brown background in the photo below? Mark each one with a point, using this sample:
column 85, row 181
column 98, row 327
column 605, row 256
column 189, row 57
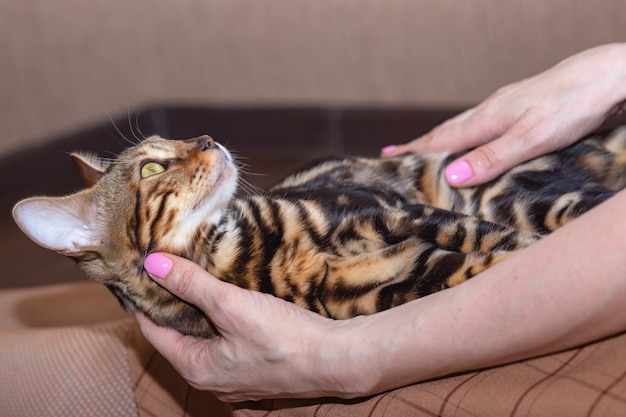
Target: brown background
column 65, row 64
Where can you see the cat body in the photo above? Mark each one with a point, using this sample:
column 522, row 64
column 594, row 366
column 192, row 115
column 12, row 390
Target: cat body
column 342, row 237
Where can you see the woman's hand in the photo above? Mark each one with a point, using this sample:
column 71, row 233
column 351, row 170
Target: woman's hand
column 530, row 118
column 267, row 347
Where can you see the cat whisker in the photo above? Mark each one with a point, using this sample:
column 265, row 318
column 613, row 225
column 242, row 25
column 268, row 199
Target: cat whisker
column 245, row 171
column 242, row 166
column 136, row 130
column 113, row 157
column 249, row 188
column 244, row 184
column 131, row 128
column 119, row 131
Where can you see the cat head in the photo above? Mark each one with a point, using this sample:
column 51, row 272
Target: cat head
column 157, row 195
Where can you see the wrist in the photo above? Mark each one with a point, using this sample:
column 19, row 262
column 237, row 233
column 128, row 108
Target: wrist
column 366, row 355
column 349, row 360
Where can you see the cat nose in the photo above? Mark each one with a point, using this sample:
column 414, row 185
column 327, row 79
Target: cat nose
column 206, row 143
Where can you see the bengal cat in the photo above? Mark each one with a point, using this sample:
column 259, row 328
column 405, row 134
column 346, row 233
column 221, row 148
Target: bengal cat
column 342, row 237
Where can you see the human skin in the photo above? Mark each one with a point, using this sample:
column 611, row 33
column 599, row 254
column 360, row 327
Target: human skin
column 565, row 290
column 532, row 117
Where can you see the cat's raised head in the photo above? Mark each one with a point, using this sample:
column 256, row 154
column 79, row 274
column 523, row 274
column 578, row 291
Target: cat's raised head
column 156, row 196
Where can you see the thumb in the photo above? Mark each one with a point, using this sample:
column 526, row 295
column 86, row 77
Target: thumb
column 473, row 168
column 487, row 162
column 184, row 279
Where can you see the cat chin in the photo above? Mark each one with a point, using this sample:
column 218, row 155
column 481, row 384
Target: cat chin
column 220, row 194
column 209, row 210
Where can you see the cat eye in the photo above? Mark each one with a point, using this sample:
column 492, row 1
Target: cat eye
column 151, row 168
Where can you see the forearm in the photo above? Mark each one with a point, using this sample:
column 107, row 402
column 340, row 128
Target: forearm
column 565, row 290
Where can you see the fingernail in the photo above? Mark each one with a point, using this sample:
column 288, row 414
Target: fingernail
column 459, row 172
column 157, row 265
column 389, row 149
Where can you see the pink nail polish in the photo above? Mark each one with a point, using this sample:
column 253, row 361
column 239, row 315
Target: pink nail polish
column 157, row 265
column 459, row 172
column 388, row 149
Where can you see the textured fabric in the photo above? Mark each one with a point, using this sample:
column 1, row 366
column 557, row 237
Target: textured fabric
column 59, row 305
column 587, row 381
column 70, row 350
column 70, row 371
column 106, row 368
column 161, row 391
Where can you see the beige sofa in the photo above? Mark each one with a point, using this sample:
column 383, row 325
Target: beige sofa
column 84, row 358
column 68, row 63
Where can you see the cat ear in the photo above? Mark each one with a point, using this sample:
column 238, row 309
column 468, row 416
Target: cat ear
column 90, row 167
column 64, row 224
